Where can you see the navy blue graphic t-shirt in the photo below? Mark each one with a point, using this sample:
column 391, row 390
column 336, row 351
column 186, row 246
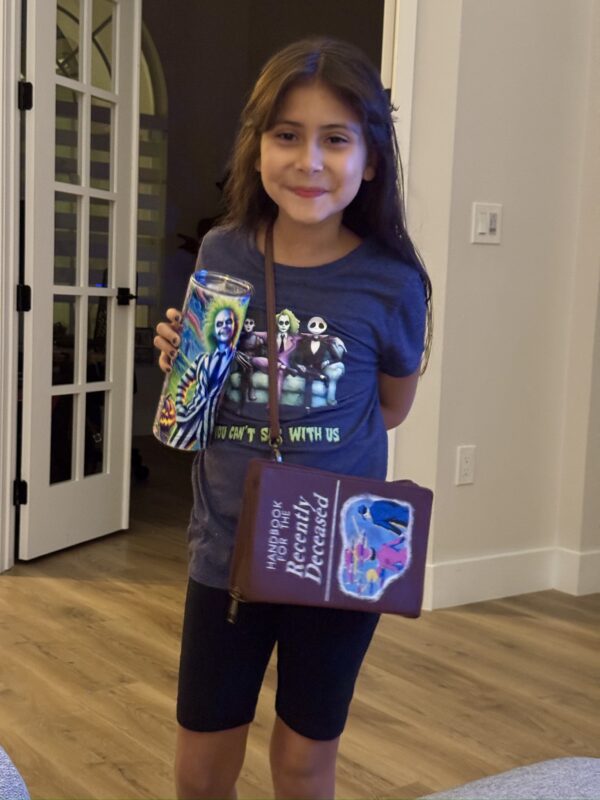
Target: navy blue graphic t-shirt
column 338, row 326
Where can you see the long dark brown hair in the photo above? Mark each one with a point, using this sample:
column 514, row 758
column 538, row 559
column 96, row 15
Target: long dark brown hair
column 378, row 208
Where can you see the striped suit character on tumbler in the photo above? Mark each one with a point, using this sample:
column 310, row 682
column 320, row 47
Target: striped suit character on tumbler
column 199, row 390
column 212, row 316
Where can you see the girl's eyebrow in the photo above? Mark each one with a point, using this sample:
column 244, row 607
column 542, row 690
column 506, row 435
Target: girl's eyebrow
column 349, row 126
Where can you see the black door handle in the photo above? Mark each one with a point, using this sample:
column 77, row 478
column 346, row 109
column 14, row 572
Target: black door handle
column 124, row 296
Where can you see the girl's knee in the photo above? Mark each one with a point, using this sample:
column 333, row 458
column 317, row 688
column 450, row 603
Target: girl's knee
column 207, row 765
column 303, row 777
column 196, row 786
column 295, row 772
column 197, row 780
column 302, row 766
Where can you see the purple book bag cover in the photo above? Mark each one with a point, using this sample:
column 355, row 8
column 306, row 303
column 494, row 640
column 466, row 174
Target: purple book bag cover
column 311, row 537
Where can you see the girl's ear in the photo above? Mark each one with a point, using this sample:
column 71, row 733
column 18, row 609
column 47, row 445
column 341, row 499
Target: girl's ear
column 257, row 164
column 369, row 173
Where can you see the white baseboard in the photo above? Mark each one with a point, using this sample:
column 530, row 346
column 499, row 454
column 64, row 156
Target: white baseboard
column 577, row 573
column 453, row 583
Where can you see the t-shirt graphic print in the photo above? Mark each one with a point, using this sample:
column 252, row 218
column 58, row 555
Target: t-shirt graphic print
column 310, row 363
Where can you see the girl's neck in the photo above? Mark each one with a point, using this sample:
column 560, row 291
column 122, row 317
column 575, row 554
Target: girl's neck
column 308, row 245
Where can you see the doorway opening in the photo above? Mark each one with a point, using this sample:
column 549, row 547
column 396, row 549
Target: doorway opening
column 194, row 81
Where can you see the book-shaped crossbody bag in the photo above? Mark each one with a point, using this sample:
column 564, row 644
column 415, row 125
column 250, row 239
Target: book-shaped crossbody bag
column 310, row 537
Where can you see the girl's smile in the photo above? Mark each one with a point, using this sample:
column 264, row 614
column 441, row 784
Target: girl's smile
column 302, row 191
column 314, row 158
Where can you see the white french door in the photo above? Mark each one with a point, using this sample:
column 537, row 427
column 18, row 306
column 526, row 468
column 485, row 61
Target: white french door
column 10, row 40
column 82, row 57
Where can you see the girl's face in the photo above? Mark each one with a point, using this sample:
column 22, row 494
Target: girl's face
column 314, row 158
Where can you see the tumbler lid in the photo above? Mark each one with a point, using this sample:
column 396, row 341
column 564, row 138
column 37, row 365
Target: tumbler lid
column 220, row 283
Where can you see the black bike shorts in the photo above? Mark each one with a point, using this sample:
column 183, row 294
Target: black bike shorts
column 319, row 654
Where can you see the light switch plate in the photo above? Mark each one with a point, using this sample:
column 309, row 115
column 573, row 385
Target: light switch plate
column 486, row 223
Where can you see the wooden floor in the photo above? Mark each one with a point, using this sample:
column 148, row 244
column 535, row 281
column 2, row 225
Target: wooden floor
column 88, row 669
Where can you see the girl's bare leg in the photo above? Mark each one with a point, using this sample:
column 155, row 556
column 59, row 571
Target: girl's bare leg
column 207, row 765
column 302, row 768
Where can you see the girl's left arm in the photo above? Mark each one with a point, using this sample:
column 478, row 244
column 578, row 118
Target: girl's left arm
column 396, row 397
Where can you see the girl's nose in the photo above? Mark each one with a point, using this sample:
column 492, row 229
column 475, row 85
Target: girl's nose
column 310, row 158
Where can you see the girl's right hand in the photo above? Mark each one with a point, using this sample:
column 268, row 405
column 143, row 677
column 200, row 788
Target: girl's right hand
column 168, row 339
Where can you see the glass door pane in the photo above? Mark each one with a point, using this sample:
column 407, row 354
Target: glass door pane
column 95, row 415
column 102, row 44
column 96, row 343
column 66, row 238
column 68, row 33
column 68, row 151
column 100, row 241
column 61, row 442
column 64, row 337
column 101, row 145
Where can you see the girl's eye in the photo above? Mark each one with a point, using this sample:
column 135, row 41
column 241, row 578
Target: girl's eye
column 337, row 139
column 285, row 136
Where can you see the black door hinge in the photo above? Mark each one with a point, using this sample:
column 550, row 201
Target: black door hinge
column 23, row 297
column 25, row 96
column 20, row 493
column 124, row 296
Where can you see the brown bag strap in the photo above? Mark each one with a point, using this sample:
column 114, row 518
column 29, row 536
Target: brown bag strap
column 275, row 438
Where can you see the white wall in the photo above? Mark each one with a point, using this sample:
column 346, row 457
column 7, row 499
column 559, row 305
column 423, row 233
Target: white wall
column 578, row 536
column 505, row 110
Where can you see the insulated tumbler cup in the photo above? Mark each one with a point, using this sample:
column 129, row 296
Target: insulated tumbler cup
column 213, row 315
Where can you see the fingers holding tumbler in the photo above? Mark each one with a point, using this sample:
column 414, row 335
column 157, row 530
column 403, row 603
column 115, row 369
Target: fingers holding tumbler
column 167, row 339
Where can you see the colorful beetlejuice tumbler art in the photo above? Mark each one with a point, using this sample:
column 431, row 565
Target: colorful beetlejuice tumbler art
column 213, row 315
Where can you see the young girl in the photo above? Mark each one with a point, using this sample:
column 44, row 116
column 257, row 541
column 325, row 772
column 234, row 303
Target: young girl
column 316, row 156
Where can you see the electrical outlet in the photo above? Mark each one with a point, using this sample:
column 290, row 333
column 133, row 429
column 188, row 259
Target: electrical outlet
column 465, row 464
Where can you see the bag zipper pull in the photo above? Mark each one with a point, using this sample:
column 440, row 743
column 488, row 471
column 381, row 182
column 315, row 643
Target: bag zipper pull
column 236, row 599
